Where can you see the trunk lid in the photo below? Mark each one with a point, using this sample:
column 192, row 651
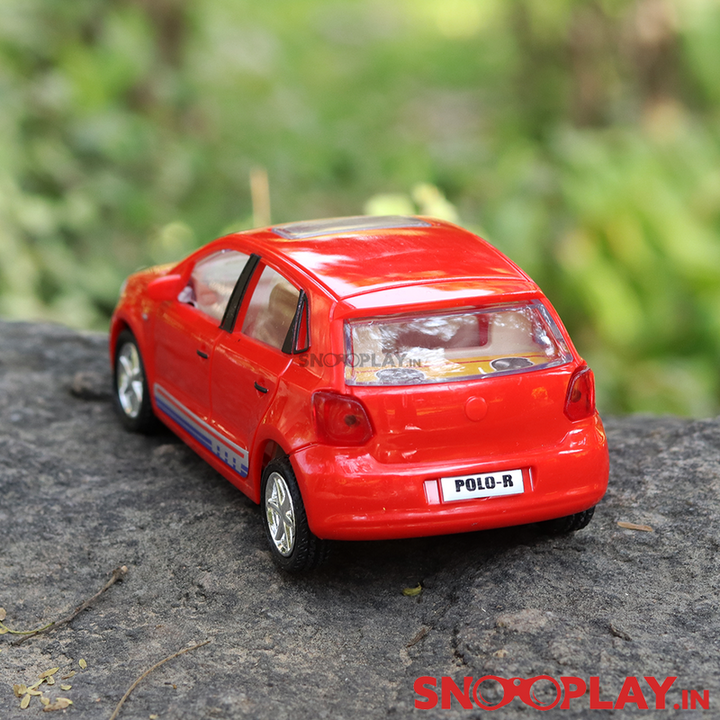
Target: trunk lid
column 461, row 384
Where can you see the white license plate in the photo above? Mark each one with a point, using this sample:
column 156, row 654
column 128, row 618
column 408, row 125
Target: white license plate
column 480, row 485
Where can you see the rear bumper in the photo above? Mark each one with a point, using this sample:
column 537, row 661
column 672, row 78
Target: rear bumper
column 349, row 495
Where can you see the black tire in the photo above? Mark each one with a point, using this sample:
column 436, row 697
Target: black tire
column 130, row 386
column 567, row 524
column 294, row 547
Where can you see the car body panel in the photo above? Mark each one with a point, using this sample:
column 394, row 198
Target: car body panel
column 245, row 380
column 183, row 342
column 354, row 496
column 347, row 263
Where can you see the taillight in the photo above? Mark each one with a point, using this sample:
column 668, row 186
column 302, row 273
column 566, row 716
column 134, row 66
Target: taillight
column 341, row 419
column 580, row 401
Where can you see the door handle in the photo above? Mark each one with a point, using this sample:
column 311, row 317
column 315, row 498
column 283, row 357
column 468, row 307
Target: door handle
column 203, row 355
column 259, row 387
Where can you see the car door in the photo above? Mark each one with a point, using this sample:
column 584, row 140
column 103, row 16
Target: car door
column 248, row 363
column 186, row 330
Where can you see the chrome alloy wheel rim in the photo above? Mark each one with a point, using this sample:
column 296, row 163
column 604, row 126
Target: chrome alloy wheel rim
column 129, row 380
column 280, row 514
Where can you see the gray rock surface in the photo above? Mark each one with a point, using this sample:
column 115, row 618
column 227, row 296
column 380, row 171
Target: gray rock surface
column 79, row 496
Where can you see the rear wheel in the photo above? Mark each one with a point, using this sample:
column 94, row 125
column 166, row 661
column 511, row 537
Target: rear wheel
column 567, row 524
column 132, row 397
column 294, row 547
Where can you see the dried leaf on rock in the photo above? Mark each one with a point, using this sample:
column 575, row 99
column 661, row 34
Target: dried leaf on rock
column 412, row 592
column 634, row 526
column 59, row 704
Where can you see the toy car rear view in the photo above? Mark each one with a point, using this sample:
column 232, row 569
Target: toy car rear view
column 365, row 378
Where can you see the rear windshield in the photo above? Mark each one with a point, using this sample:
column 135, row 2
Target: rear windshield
column 418, row 349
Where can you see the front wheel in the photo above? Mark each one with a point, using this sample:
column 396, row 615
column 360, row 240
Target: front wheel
column 567, row 524
column 132, row 397
column 294, row 547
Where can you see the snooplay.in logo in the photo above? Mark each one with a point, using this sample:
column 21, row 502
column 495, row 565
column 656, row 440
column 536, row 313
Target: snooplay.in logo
column 543, row 692
column 362, row 360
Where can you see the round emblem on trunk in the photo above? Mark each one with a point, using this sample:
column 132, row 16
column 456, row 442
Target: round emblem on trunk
column 476, row 408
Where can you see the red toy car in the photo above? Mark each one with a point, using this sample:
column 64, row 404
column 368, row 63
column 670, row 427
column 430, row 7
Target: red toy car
column 365, row 378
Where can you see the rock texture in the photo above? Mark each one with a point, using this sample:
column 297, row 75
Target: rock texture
column 79, row 496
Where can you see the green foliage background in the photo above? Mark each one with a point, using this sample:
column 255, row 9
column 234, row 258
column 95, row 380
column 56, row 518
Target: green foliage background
column 582, row 137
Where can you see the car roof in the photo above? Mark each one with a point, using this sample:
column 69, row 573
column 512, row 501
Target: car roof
column 357, row 255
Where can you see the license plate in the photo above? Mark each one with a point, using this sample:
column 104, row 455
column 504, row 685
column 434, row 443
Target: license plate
column 481, row 485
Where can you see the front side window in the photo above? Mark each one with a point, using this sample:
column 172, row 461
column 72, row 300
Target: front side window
column 212, row 281
column 444, row 347
column 271, row 309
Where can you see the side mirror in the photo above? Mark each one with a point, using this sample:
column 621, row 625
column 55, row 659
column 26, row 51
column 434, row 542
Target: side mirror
column 167, row 287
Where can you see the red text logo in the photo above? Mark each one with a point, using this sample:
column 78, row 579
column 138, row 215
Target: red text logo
column 542, row 692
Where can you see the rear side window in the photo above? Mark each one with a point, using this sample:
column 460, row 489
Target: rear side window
column 445, row 347
column 271, row 309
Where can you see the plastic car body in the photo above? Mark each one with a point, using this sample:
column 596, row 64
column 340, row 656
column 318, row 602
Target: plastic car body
column 365, row 378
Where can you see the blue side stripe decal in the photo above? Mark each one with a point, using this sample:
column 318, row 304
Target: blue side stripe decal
column 184, row 424
column 232, row 455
